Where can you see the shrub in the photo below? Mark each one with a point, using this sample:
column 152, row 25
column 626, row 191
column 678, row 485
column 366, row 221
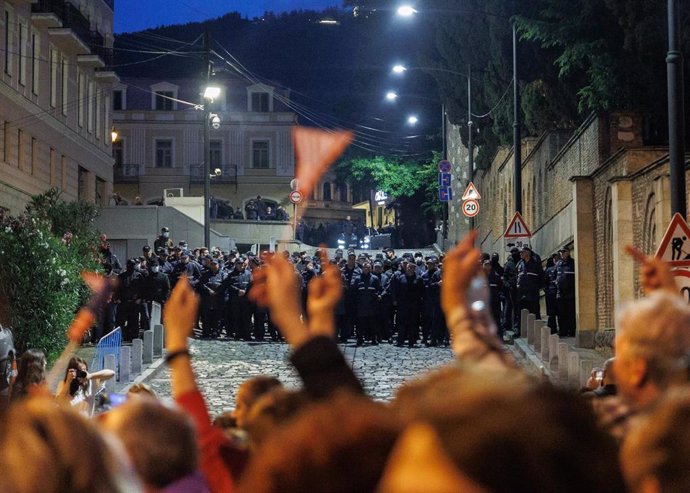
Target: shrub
column 40, row 284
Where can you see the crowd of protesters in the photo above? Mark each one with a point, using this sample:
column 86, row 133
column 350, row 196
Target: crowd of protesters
column 478, row 425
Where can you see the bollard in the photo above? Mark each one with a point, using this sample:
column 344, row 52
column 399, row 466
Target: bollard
column 530, row 329
column 553, row 351
column 110, row 364
column 563, row 362
column 545, row 335
column 585, row 371
column 147, row 355
column 158, row 340
column 538, row 324
column 155, row 313
column 137, row 351
column 573, row 368
column 125, row 364
column 523, row 322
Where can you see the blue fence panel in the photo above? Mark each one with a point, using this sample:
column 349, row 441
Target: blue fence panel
column 109, row 344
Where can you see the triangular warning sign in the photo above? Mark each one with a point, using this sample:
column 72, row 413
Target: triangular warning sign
column 517, row 228
column 675, row 245
column 471, row 193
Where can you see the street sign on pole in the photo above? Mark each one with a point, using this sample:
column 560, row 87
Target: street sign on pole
column 674, row 248
column 444, row 166
column 471, row 193
column 517, row 228
column 518, row 243
column 296, row 197
column 470, row 208
column 444, row 180
column 445, row 194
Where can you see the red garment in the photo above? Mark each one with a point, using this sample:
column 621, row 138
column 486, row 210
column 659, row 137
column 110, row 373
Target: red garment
column 210, row 440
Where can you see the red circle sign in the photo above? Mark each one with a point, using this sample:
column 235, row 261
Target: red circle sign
column 296, row 197
column 470, row 208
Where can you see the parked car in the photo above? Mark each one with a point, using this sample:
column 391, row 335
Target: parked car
column 7, row 355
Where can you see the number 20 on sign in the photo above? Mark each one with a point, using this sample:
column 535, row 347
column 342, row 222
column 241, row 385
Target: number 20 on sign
column 470, row 208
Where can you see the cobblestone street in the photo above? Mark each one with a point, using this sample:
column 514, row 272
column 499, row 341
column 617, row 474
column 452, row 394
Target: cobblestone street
column 222, row 365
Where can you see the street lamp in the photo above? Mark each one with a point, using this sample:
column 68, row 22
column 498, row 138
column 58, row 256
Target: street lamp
column 391, row 96
column 399, row 69
column 211, row 93
column 407, row 11
column 412, row 120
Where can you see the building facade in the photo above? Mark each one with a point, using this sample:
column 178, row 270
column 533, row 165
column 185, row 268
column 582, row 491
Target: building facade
column 160, row 147
column 55, row 87
column 595, row 189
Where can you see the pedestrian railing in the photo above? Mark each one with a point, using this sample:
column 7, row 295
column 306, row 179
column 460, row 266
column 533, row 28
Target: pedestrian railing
column 109, row 344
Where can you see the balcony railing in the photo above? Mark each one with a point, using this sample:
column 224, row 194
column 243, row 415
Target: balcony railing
column 126, row 173
column 228, row 173
column 73, row 19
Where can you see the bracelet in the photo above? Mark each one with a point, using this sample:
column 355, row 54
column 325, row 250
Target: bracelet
column 180, row 352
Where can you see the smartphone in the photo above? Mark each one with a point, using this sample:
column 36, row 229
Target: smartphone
column 600, row 375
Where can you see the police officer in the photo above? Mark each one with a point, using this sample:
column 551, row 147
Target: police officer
column 238, row 308
column 408, row 294
column 529, row 280
column 212, row 297
column 495, row 287
column 163, row 240
column 433, row 326
column 511, row 312
column 156, row 285
column 349, row 274
column 367, row 287
column 565, row 282
column 386, row 313
column 551, row 291
column 128, row 294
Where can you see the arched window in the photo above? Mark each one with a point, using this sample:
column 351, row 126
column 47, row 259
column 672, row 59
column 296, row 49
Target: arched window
column 342, row 192
column 327, row 191
column 649, row 231
column 605, row 284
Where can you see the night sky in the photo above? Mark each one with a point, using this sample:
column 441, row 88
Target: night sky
column 135, row 15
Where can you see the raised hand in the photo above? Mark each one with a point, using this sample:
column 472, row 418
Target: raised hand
column 459, row 268
column 180, row 315
column 324, row 293
column 655, row 274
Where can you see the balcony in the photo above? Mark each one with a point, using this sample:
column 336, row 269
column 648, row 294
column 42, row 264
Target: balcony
column 71, row 33
column 228, row 173
column 126, row 173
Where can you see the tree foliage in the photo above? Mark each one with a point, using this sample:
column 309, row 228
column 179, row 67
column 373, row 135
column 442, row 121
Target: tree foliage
column 40, row 284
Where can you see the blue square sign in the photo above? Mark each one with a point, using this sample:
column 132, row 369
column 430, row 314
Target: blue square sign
column 444, row 180
column 445, row 194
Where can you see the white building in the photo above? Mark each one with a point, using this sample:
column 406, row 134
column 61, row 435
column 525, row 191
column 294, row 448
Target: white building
column 55, row 99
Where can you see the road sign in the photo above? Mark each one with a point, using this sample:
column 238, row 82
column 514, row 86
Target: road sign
column 517, row 228
column 675, row 245
column 445, row 194
column 444, row 166
column 470, row 208
column 471, row 193
column 296, row 197
column 294, row 184
column 518, row 243
column 444, row 180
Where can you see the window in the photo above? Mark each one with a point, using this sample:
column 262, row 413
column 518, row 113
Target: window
column 81, row 95
column 260, row 154
column 342, row 192
column 53, row 167
column 20, row 148
column 327, row 191
column 260, row 102
column 164, row 101
column 100, row 191
column 117, row 101
column 23, row 55
column 118, row 152
column 90, row 112
column 35, row 63
column 6, row 142
column 34, row 154
column 164, row 153
column 9, row 48
column 63, row 171
column 53, row 77
column 99, row 101
column 107, row 138
column 65, row 85
column 216, row 154
column 81, row 183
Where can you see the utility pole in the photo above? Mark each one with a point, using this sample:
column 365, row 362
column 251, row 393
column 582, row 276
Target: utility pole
column 517, row 147
column 676, row 111
column 207, row 147
column 470, row 146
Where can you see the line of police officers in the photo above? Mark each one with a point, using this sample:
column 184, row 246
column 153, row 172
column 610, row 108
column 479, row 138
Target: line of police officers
column 386, row 298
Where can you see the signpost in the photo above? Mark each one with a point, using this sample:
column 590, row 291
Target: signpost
column 445, row 190
column 517, row 234
column 470, row 208
column 296, row 197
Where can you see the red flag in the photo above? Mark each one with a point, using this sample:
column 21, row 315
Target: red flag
column 315, row 151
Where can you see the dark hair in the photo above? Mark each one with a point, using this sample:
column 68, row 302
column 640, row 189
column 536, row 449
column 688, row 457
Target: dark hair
column 31, row 372
column 74, row 363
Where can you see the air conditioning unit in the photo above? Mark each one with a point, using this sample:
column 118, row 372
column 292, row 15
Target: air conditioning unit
column 173, row 192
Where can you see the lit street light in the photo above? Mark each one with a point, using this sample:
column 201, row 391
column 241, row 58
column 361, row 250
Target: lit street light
column 399, row 69
column 412, row 120
column 391, row 96
column 406, row 11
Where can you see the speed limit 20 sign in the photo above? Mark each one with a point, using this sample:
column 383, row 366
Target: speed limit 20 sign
column 470, row 208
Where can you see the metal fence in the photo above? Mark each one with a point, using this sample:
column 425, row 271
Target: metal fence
column 109, row 344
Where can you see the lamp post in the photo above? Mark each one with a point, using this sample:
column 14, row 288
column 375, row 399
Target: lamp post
column 676, row 111
column 210, row 94
column 408, row 11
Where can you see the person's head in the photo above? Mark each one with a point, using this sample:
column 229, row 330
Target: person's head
column 609, row 376
column 410, row 269
column 351, row 259
column 160, row 441
column 525, row 253
column 239, row 263
column 338, row 445
column 515, row 253
column 141, row 390
column 271, row 411
column 249, row 392
column 487, row 266
column 366, row 267
column 52, row 449
column 165, row 232
column 80, row 367
column 431, row 263
column 652, row 339
column 565, row 253
column 655, row 456
column 390, row 253
column 31, row 372
column 378, row 267
column 214, row 265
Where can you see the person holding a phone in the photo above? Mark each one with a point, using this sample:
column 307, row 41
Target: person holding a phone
column 80, row 387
